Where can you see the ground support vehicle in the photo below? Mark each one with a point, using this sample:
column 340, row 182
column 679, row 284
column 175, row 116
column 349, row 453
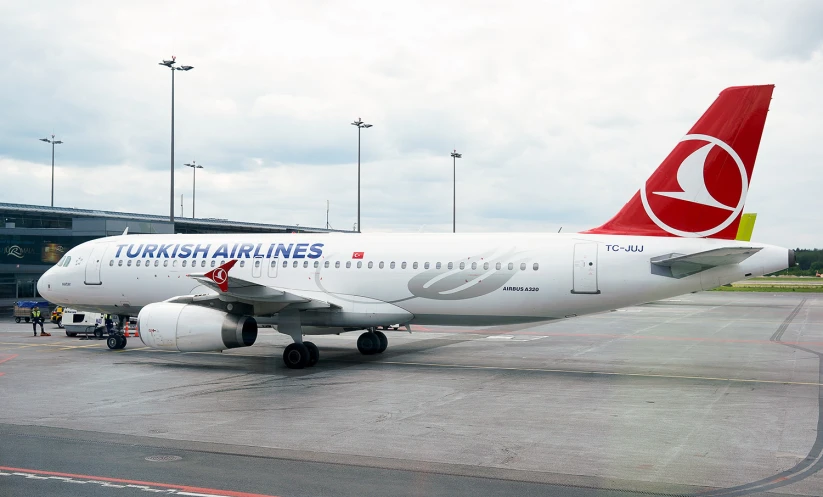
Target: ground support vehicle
column 22, row 309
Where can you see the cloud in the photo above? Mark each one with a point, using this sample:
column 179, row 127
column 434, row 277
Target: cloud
column 561, row 110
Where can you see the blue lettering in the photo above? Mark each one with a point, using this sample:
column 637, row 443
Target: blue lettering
column 300, row 251
column 174, row 252
column 316, row 251
column 283, row 250
column 201, row 250
column 164, row 250
column 257, row 250
column 119, row 249
column 222, row 251
column 245, row 249
column 136, row 252
column 185, row 250
column 233, row 250
column 268, row 254
column 149, row 250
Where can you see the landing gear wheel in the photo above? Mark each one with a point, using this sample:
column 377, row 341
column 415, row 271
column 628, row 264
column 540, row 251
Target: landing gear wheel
column 123, row 341
column 113, row 343
column 384, row 341
column 368, row 343
column 296, row 356
column 314, row 353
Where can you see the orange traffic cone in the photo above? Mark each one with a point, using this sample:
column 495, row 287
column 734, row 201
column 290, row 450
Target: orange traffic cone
column 126, row 331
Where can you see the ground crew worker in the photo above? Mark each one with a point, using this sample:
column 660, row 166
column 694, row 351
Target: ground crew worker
column 37, row 318
column 109, row 324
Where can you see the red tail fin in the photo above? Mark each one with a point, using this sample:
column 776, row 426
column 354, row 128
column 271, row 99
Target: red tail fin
column 700, row 188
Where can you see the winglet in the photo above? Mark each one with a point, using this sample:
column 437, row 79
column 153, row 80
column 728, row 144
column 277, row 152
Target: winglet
column 746, row 227
column 220, row 275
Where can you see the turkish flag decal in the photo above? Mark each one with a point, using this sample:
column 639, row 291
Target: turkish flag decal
column 357, row 255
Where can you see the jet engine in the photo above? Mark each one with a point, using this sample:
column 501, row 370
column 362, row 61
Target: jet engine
column 192, row 328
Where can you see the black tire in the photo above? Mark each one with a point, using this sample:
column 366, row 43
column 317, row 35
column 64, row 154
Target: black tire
column 70, row 334
column 98, row 332
column 384, row 341
column 368, row 343
column 113, row 343
column 314, row 353
column 296, row 356
column 17, row 320
column 122, row 341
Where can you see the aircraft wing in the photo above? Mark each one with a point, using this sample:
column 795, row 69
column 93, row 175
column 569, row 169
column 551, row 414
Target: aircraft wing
column 681, row 265
column 265, row 299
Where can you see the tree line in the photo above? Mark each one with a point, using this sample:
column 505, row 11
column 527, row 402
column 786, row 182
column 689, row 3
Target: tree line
column 809, row 262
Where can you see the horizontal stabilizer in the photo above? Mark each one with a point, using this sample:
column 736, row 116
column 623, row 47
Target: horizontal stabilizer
column 680, row 265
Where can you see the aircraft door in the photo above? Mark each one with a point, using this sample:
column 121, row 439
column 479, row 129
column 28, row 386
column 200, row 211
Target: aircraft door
column 94, row 263
column 585, row 268
column 257, row 269
column 273, row 267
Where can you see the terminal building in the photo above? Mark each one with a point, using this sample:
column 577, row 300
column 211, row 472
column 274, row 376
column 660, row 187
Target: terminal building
column 33, row 238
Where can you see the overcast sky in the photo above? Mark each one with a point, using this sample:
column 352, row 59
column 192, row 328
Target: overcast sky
column 560, row 109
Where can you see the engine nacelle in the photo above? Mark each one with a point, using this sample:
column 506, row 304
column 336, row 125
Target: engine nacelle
column 192, row 328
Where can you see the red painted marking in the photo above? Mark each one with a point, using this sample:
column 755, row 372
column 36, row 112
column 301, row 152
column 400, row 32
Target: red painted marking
column 8, row 358
column 184, row 488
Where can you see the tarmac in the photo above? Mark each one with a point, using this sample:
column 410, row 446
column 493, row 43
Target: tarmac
column 713, row 394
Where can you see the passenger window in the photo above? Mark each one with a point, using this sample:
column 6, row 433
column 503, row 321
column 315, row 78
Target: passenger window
column 348, row 264
column 403, row 266
column 166, row 263
column 462, row 265
column 129, row 263
column 294, row 264
column 137, row 264
column 305, row 264
column 522, row 266
column 426, row 265
column 273, row 263
column 414, row 265
column 184, row 263
column 285, row 263
column 437, row 266
column 511, row 266
column 316, row 264
column 391, row 266
column 474, row 265
column 371, row 264
column 485, row 266
column 242, row 263
column 120, row 262
column 326, row 264
column 381, row 264
column 497, row 266
column 111, row 262
column 337, row 264
column 359, row 264
column 451, row 265
column 256, row 263
column 174, row 263
column 535, row 266
column 213, row 263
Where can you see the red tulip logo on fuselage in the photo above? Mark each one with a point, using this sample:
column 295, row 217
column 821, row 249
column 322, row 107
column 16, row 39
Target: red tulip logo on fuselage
column 705, row 196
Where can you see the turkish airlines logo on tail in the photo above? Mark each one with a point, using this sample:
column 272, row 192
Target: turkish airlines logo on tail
column 709, row 189
column 220, row 275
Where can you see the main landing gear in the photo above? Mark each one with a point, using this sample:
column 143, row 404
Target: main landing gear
column 372, row 342
column 301, row 355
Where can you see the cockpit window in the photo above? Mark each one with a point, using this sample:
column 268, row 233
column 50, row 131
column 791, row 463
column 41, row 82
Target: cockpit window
column 60, row 262
column 68, row 260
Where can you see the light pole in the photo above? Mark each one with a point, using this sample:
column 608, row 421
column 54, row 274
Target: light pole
column 170, row 65
column 194, row 167
column 455, row 156
column 360, row 125
column 53, row 143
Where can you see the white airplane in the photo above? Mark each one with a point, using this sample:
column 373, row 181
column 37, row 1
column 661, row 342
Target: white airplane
column 210, row 292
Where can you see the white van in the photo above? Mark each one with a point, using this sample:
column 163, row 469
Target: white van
column 81, row 322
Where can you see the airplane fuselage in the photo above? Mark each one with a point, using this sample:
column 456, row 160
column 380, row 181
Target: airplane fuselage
column 447, row 279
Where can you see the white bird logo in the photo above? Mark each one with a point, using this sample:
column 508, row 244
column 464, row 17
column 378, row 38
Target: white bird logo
column 691, row 180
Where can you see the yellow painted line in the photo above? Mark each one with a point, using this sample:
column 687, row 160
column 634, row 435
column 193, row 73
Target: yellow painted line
column 600, row 373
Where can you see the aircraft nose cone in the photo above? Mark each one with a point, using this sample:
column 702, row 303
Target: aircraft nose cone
column 44, row 284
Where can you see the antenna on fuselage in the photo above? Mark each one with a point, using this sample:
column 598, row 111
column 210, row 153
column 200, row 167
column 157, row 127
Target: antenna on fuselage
column 560, row 229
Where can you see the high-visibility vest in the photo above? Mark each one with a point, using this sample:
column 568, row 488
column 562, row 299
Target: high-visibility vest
column 35, row 314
